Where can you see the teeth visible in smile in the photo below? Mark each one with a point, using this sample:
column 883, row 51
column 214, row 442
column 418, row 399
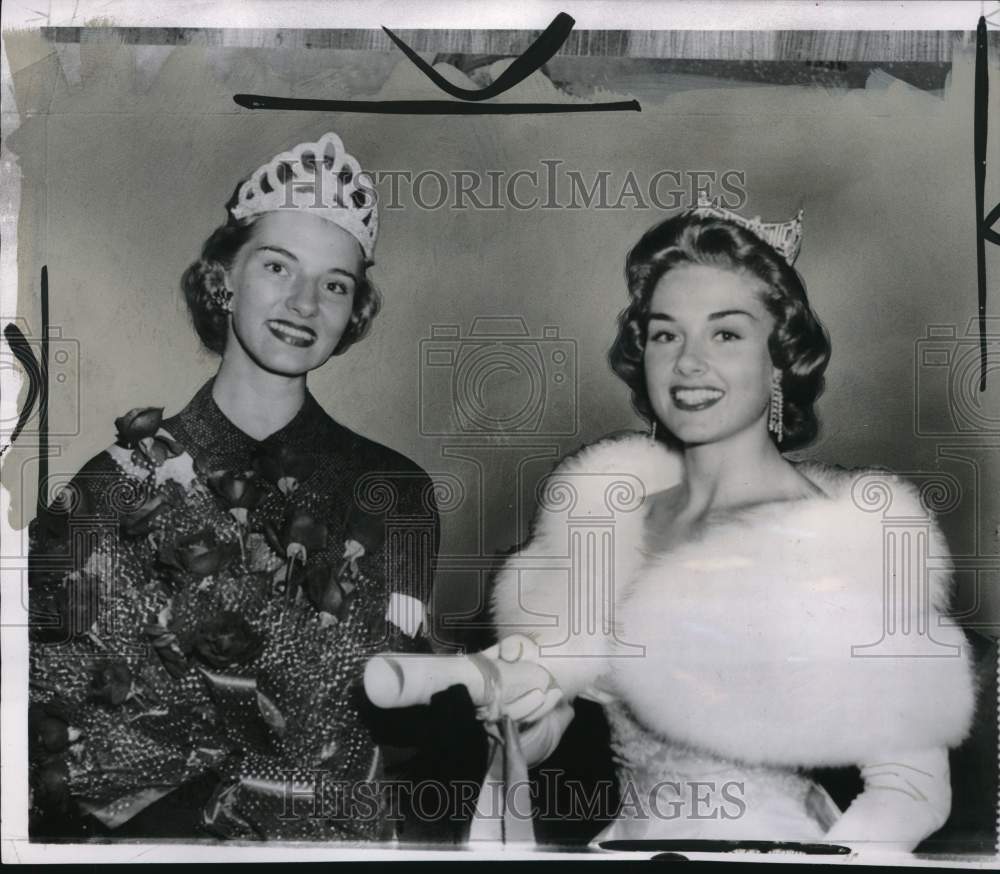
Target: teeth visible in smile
column 697, row 395
column 290, row 331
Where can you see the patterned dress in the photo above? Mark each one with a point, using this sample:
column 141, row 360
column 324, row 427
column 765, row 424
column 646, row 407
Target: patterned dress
column 202, row 607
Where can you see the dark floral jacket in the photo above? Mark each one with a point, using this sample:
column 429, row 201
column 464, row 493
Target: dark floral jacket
column 202, row 601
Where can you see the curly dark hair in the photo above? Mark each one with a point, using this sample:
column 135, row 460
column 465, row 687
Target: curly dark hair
column 204, row 280
column 799, row 344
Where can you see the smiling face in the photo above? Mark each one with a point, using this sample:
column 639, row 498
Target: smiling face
column 707, row 364
column 293, row 286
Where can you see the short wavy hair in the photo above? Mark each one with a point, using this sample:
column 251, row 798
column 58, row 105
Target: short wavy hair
column 799, row 344
column 205, row 279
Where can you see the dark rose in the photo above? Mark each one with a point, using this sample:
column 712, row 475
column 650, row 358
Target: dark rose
column 305, row 529
column 157, row 449
column 284, row 466
column 78, row 603
column 323, row 589
column 53, row 734
column 138, row 424
column 199, row 554
column 300, row 534
column 48, row 727
column 111, row 683
column 139, row 523
column 226, row 639
column 367, row 528
column 237, row 490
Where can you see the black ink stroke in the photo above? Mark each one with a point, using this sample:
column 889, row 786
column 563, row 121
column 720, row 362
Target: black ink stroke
column 469, row 100
column 427, row 107
column 984, row 223
column 37, row 371
column 43, row 399
column 537, row 54
column 26, row 358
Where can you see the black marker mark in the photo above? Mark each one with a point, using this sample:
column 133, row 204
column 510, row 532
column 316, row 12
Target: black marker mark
column 984, row 225
column 427, row 107
column 38, row 385
column 703, row 846
column 991, row 220
column 537, row 54
column 22, row 352
column 43, row 399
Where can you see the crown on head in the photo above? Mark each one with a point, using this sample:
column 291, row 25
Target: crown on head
column 784, row 237
column 320, row 177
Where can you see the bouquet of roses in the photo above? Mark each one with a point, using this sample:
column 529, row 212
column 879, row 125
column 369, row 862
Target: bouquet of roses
column 210, row 625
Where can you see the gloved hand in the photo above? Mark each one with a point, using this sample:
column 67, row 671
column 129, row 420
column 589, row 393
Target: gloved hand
column 526, row 690
column 528, row 694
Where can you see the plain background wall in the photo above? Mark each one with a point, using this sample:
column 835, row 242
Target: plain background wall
column 126, row 167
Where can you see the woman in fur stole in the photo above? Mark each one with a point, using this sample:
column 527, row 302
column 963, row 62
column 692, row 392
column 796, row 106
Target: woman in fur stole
column 732, row 610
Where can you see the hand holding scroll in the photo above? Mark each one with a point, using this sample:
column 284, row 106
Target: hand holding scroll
column 504, row 680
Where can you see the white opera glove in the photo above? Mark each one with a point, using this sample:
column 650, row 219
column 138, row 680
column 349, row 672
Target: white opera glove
column 525, row 691
column 906, row 798
column 526, row 714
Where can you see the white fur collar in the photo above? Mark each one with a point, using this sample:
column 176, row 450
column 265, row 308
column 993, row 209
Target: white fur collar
column 743, row 642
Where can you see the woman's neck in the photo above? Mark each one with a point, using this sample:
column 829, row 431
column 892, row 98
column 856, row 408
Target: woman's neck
column 254, row 400
column 745, row 469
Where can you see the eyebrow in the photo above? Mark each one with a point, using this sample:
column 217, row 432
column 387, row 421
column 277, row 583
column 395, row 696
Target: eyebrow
column 292, row 257
column 721, row 314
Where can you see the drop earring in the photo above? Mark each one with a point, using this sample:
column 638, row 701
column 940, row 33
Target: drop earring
column 652, row 430
column 776, row 407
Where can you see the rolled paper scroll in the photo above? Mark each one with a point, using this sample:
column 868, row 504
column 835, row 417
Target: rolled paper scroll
column 404, row 680
column 525, row 689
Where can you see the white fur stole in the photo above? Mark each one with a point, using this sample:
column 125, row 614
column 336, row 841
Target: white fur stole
column 755, row 642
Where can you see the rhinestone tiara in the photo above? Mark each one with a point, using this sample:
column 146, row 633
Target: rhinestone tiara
column 784, row 237
column 320, row 177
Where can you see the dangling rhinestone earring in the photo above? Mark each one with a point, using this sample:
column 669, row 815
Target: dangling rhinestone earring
column 776, row 407
column 652, row 430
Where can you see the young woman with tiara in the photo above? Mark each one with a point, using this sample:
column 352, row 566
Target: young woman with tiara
column 206, row 591
column 732, row 610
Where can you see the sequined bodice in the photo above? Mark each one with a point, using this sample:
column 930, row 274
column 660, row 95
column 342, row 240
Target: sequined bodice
column 670, row 791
